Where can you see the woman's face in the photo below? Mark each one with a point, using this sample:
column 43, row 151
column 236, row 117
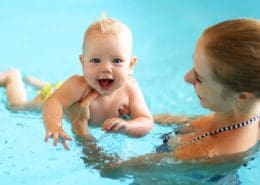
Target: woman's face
column 211, row 93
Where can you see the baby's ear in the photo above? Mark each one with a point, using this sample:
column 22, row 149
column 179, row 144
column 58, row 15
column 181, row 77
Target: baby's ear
column 81, row 58
column 132, row 64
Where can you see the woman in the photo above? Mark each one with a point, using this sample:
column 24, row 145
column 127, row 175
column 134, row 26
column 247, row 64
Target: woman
column 226, row 78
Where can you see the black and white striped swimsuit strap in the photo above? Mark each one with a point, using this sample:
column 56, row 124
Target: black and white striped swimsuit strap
column 225, row 129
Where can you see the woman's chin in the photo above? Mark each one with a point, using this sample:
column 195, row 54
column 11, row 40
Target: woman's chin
column 203, row 104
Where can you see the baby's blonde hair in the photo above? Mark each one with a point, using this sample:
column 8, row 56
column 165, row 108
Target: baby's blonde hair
column 107, row 25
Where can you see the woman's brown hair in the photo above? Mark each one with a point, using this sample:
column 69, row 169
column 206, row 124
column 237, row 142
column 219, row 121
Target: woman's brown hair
column 234, row 49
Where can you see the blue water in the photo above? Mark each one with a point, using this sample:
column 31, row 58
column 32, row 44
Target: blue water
column 44, row 38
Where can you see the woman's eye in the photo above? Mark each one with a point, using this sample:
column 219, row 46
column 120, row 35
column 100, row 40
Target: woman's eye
column 95, row 60
column 117, row 60
column 197, row 79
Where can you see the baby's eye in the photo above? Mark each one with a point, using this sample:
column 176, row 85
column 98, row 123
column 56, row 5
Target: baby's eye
column 117, row 60
column 95, row 60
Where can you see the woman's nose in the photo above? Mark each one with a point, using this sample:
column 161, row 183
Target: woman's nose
column 189, row 77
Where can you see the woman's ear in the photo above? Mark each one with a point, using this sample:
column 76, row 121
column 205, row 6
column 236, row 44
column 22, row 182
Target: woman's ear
column 244, row 96
column 132, row 64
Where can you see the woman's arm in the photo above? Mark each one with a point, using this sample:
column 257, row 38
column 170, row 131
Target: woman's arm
column 165, row 119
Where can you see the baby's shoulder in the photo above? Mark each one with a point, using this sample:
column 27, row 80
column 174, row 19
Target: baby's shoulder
column 132, row 88
column 131, row 82
column 132, row 79
column 77, row 80
column 132, row 85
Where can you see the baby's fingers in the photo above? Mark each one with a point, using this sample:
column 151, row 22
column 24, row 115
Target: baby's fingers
column 47, row 136
column 119, row 128
column 65, row 145
column 55, row 138
column 114, row 125
column 108, row 124
column 65, row 136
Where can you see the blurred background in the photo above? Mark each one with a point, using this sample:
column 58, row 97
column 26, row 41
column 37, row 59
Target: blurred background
column 44, row 39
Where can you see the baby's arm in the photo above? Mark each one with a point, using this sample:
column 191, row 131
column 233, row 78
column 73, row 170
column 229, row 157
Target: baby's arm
column 142, row 121
column 70, row 92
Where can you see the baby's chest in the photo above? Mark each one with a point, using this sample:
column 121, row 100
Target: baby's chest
column 101, row 109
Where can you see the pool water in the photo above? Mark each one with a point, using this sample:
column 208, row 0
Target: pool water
column 44, row 38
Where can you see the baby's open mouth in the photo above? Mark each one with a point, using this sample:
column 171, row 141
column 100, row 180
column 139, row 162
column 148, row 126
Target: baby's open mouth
column 105, row 83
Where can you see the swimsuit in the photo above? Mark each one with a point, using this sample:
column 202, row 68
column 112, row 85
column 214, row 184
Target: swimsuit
column 48, row 89
column 166, row 137
column 165, row 146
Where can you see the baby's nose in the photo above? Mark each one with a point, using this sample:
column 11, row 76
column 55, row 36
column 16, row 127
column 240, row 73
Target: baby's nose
column 106, row 67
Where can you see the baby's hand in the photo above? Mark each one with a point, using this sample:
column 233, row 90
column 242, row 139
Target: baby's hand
column 115, row 125
column 58, row 134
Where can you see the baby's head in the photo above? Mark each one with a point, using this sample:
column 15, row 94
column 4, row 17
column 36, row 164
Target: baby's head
column 108, row 26
column 107, row 59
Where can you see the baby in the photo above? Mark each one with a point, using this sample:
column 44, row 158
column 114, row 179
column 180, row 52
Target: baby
column 107, row 64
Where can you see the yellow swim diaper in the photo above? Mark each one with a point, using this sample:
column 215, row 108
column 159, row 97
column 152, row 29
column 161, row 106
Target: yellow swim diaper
column 48, row 89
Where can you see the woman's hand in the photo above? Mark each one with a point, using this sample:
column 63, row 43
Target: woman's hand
column 86, row 102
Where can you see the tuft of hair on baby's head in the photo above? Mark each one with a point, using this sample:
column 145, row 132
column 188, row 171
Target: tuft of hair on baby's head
column 107, row 25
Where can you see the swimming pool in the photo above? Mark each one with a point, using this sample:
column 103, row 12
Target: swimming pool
column 43, row 38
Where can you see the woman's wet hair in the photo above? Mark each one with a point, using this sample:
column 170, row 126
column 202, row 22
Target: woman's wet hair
column 233, row 48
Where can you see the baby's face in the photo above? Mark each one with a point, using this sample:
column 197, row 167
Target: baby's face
column 107, row 61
